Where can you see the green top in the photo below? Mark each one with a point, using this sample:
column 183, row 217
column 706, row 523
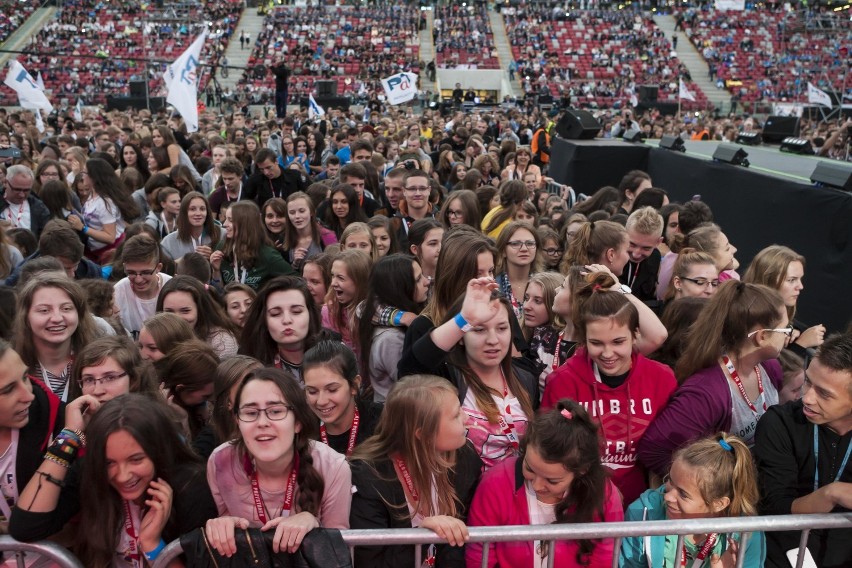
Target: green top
column 269, row 264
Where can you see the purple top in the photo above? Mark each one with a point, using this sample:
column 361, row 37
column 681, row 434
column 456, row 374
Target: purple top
column 701, row 406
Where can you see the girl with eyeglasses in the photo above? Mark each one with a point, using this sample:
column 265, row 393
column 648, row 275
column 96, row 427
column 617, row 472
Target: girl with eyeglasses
column 558, row 478
column 713, row 477
column 274, row 476
column 607, row 374
column 551, row 247
column 461, row 208
column 518, row 257
column 138, row 486
column 52, row 325
column 110, row 367
column 783, row 269
column 694, row 275
column 728, row 372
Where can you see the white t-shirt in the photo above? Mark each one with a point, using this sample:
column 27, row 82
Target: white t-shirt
column 134, row 310
column 8, row 484
column 98, row 212
column 18, row 215
column 540, row 514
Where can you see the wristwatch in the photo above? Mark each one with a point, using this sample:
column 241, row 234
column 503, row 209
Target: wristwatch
column 462, row 323
column 625, row 289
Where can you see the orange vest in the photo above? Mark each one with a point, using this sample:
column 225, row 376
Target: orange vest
column 545, row 158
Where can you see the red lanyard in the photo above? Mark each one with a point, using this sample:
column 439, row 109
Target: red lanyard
column 708, row 545
column 406, row 478
column 556, row 352
column 353, row 432
column 409, row 484
column 131, row 532
column 255, row 487
column 736, row 378
column 508, row 427
column 17, row 222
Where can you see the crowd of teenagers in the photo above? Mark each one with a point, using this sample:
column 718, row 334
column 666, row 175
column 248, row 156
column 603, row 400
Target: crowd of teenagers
column 224, row 331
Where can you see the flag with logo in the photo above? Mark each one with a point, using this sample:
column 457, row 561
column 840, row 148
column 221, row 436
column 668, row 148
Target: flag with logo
column 685, row 93
column 314, row 110
column 400, row 88
column 182, row 83
column 30, row 95
column 818, row 96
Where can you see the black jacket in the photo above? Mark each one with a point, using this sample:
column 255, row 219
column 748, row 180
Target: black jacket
column 379, row 498
column 260, row 188
column 642, row 277
column 423, row 356
column 39, row 214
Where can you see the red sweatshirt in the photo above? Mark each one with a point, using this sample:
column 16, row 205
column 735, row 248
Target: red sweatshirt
column 623, row 413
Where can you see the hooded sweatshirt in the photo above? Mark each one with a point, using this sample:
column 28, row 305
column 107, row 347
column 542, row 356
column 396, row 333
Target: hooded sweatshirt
column 649, row 551
column 623, row 413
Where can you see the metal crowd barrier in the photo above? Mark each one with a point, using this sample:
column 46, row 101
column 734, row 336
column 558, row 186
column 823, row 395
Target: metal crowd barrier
column 59, row 555
column 617, row 531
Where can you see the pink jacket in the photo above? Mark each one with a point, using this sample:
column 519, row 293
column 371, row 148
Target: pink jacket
column 231, row 486
column 501, row 500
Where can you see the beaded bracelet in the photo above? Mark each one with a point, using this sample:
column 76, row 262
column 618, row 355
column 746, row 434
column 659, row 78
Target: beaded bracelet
column 59, row 461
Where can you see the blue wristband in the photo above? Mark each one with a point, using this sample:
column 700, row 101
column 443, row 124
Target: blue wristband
column 151, row 556
column 462, row 323
column 85, row 229
column 397, row 317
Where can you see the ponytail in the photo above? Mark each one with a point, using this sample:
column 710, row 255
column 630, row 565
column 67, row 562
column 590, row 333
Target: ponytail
column 725, row 468
column 591, row 243
column 592, row 300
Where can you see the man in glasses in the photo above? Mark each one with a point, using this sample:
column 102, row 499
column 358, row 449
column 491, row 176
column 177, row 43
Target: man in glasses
column 136, row 294
column 645, row 231
column 802, row 450
column 414, row 205
column 18, row 206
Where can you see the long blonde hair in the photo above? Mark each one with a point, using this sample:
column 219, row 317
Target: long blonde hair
column 408, row 428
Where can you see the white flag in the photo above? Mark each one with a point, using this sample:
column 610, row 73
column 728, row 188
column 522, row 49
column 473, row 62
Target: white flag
column 78, row 111
column 314, row 110
column 29, row 94
column 39, row 120
column 40, row 81
column 182, row 83
column 684, row 92
column 400, row 88
column 818, row 96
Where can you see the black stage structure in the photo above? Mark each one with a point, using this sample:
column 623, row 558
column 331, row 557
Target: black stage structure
column 771, row 202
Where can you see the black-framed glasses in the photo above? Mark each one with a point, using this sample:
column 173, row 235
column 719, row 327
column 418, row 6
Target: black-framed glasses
column 519, row 244
column 553, row 251
column 788, row 331
column 702, row 282
column 140, row 273
column 87, row 382
column 274, row 413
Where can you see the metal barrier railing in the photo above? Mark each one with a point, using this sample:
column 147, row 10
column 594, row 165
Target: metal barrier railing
column 617, row 531
column 52, row 551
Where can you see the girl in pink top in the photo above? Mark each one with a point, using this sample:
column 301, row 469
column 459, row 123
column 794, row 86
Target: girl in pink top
column 273, row 476
column 350, row 272
column 558, row 478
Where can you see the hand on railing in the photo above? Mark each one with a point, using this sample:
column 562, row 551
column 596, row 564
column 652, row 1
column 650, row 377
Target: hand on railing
column 290, row 531
column 220, row 534
column 450, row 529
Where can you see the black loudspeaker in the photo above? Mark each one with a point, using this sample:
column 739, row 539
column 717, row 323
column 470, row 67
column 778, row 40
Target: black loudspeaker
column 137, row 89
column 777, row 128
column 797, row 146
column 326, row 88
column 648, row 93
column 672, row 143
column 634, row 135
column 578, row 125
column 731, row 154
column 124, row 103
column 833, row 174
column 749, row 138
